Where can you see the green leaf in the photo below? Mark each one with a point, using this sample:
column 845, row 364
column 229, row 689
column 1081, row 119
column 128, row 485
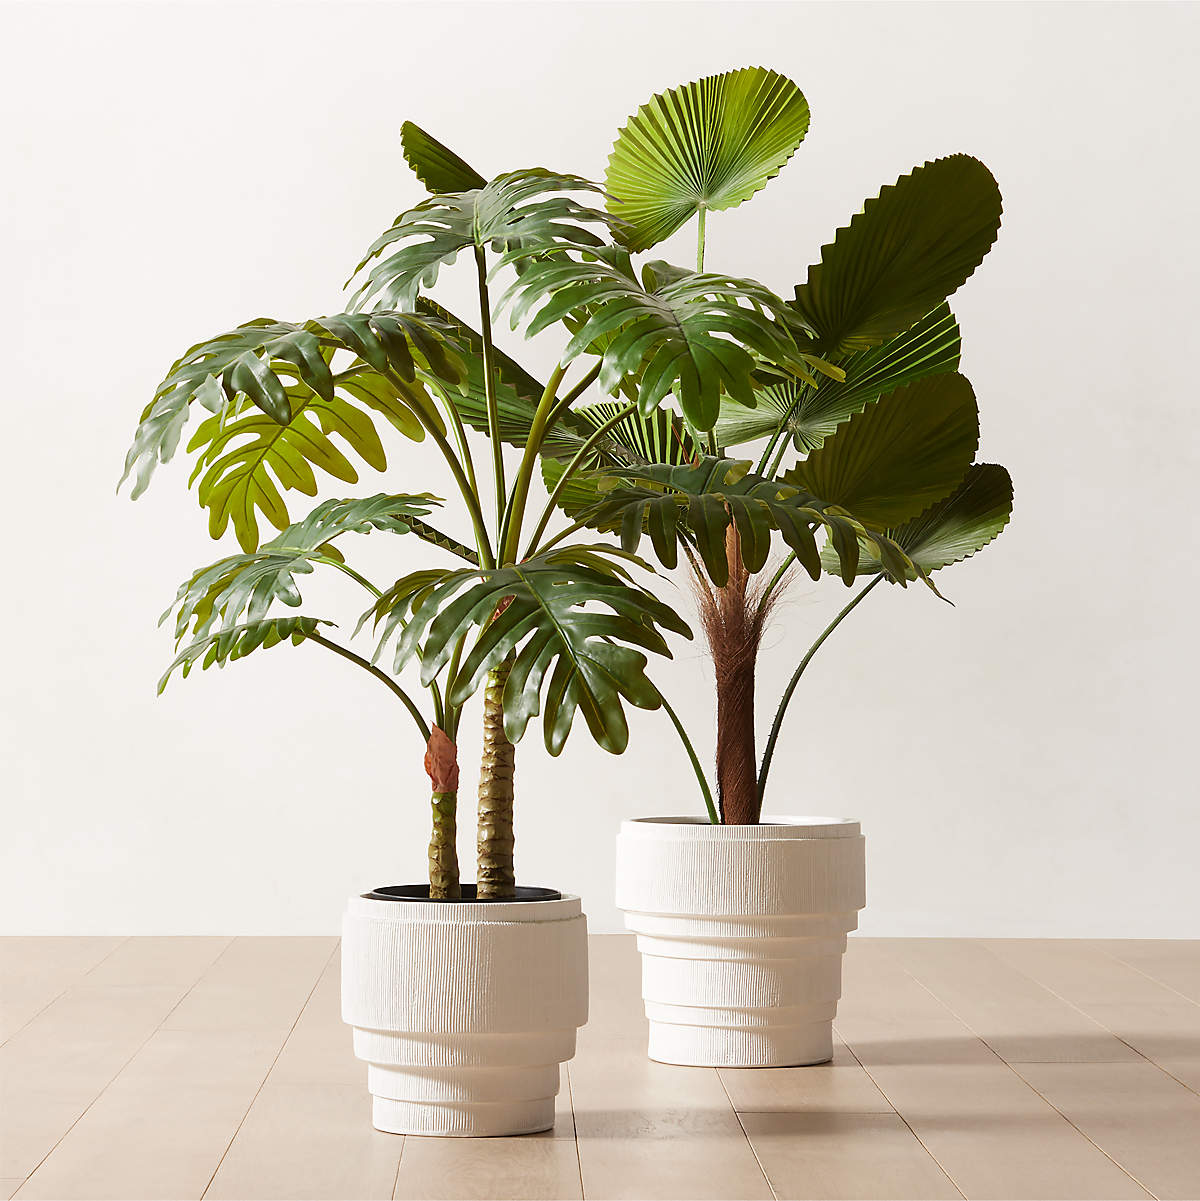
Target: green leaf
column 709, row 144
column 570, row 619
column 249, row 456
column 908, row 250
column 811, row 414
column 237, row 642
column 436, row 166
column 952, row 529
column 634, row 441
column 521, row 211
column 248, row 584
column 899, row 454
column 696, row 503
column 697, row 335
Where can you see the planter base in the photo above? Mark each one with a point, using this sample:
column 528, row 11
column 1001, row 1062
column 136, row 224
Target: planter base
column 722, row 1047
column 741, row 930
column 463, row 1011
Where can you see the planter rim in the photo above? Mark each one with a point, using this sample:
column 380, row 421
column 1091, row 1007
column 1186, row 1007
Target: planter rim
column 779, row 827
column 460, row 913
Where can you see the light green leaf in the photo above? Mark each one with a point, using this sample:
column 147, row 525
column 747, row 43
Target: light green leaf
column 709, row 144
column 248, row 457
column 899, row 455
column 908, row 250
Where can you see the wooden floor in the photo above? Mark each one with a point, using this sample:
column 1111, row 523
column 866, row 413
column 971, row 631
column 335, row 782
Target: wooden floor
column 219, row 1068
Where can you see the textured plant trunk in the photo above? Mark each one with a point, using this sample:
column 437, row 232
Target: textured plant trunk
column 441, row 762
column 733, row 618
column 496, row 877
column 737, row 773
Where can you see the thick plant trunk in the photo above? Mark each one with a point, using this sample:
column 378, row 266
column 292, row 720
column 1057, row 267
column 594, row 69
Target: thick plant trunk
column 733, row 618
column 737, row 774
column 443, row 853
column 495, row 838
column 441, row 762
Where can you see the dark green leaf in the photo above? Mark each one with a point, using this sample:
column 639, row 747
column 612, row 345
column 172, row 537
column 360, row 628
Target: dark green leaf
column 897, row 456
column 570, row 619
column 237, row 642
column 436, row 166
column 811, row 414
column 908, row 250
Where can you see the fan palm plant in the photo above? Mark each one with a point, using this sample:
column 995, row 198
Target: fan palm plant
column 540, row 623
column 886, row 429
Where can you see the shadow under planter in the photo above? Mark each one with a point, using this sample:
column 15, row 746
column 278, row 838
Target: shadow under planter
column 463, row 1010
column 741, row 930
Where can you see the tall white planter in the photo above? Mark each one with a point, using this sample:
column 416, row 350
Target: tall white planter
column 741, row 931
column 463, row 1011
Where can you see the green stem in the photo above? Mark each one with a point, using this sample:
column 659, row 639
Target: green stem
column 777, row 577
column 321, row 640
column 489, row 386
column 443, row 848
column 691, row 754
column 460, row 436
column 514, row 513
column 575, row 525
column 769, row 752
column 470, row 495
column 571, row 468
column 700, row 238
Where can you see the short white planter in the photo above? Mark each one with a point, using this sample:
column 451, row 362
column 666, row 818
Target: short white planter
column 464, row 1010
column 741, row 931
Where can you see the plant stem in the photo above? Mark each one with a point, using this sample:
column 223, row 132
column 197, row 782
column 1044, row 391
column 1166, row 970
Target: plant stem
column 489, row 386
column 706, row 792
column 469, row 494
column 495, row 876
column 769, row 752
column 514, row 513
column 571, row 468
column 443, row 848
column 700, row 238
column 321, row 640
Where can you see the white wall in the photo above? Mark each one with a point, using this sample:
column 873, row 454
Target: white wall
column 1023, row 763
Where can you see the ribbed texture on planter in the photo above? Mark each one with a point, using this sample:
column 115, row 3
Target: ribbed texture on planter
column 741, row 931
column 463, row 1011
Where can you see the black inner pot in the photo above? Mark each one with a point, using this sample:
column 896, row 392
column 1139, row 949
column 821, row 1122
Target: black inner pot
column 420, row 892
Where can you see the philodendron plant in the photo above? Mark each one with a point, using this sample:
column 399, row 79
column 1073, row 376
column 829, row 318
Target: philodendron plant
column 885, row 433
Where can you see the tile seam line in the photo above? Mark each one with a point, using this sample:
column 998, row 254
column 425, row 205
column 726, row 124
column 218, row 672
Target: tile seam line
column 67, row 989
column 1012, row 1068
column 1103, row 1026
column 108, row 1084
column 1142, row 972
column 267, row 1074
column 746, row 1135
column 908, row 1125
column 574, row 1128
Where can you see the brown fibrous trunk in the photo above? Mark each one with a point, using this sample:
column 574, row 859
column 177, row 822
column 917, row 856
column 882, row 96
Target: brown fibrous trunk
column 733, row 618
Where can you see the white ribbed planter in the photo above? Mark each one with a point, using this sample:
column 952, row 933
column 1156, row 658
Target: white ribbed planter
column 741, row 931
column 463, row 1011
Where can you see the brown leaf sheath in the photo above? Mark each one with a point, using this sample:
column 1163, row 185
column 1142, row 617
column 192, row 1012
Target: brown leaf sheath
column 495, row 831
